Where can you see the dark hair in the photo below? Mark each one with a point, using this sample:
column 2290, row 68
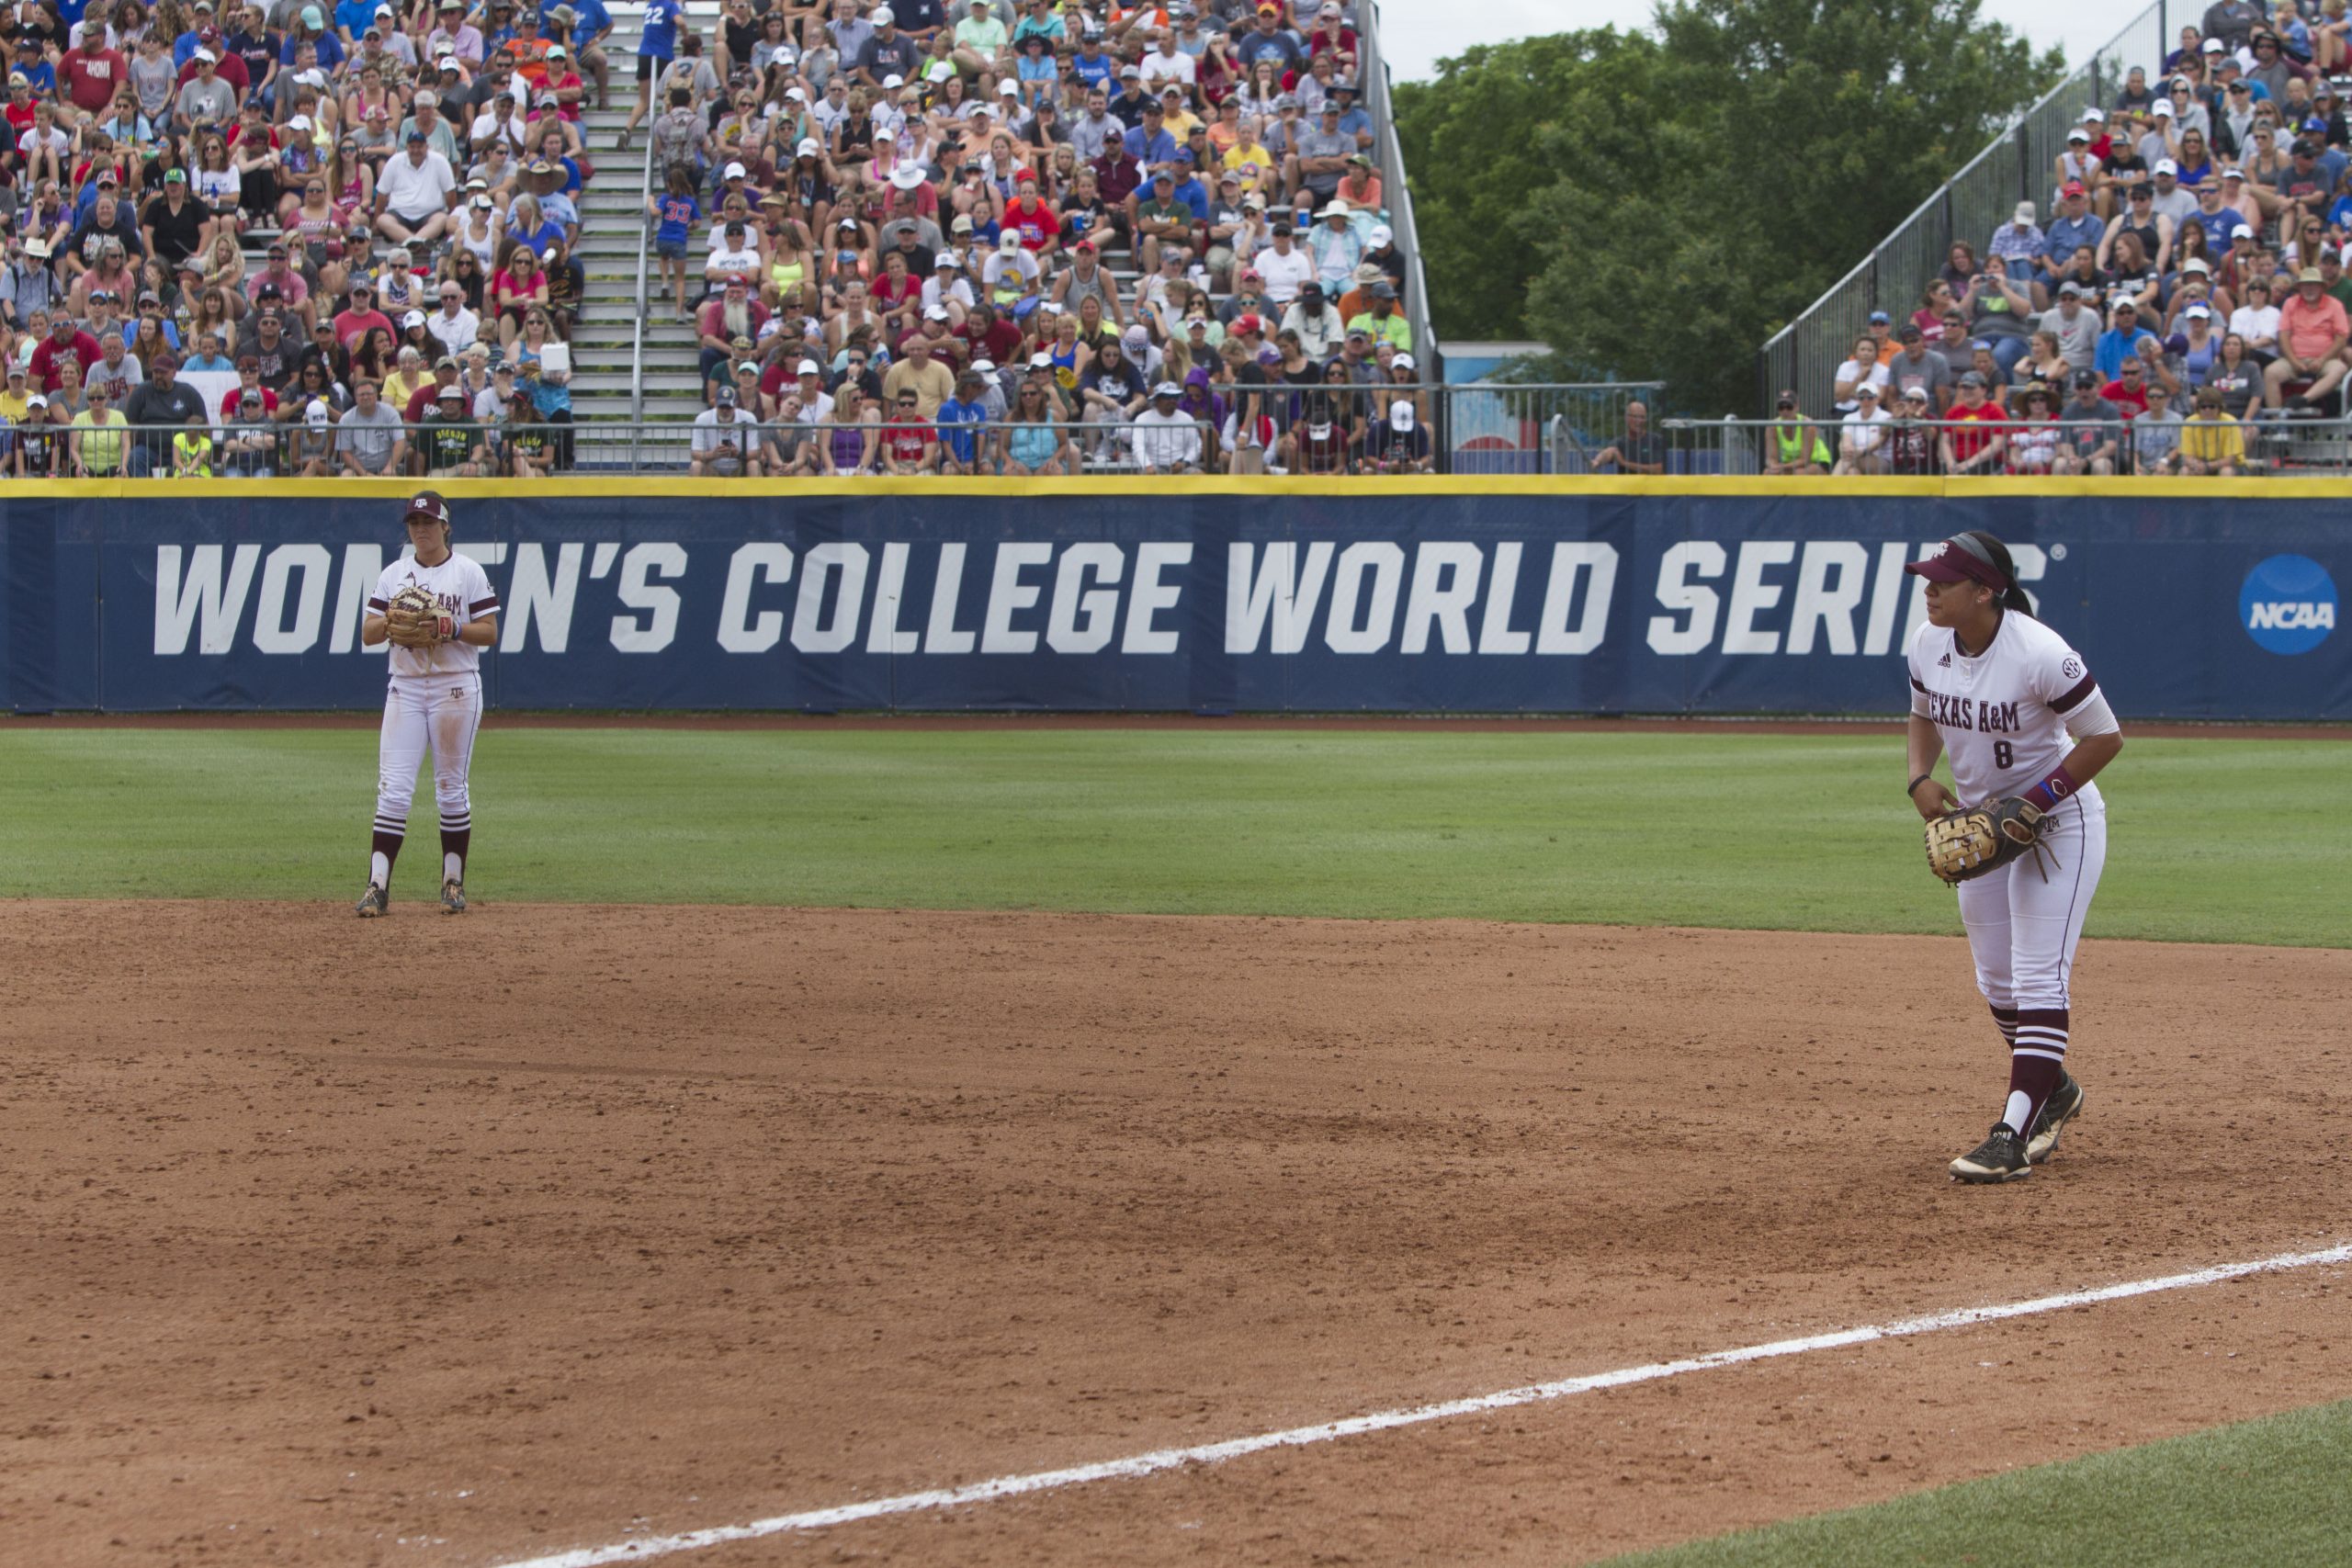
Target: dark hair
column 2013, row 597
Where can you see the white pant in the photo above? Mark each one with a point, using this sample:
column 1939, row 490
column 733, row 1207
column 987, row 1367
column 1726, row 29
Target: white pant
column 2023, row 929
column 439, row 711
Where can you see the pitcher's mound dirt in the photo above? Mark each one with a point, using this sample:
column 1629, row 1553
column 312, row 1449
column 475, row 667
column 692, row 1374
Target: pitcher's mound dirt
column 434, row 1240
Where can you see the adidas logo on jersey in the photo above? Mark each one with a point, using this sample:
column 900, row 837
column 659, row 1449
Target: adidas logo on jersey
column 1945, row 662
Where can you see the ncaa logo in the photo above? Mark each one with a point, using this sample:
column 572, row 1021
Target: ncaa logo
column 2288, row 605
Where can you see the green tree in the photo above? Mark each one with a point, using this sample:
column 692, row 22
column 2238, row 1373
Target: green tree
column 1661, row 204
column 1471, row 142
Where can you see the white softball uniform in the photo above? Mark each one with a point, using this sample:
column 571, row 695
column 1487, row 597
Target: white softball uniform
column 2009, row 717
column 435, row 697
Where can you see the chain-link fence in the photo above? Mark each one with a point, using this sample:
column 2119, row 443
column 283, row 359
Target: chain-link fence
column 2019, row 166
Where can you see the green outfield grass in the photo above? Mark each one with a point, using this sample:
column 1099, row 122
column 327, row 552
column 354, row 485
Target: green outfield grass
column 2213, row 840
column 2270, row 1492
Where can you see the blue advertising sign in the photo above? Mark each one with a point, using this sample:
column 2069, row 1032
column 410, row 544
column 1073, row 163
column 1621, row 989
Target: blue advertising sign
column 1456, row 597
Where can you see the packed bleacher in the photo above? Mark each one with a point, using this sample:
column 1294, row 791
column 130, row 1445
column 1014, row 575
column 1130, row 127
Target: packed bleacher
column 2174, row 301
column 315, row 238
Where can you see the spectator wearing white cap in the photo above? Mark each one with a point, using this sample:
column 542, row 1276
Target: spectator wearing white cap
column 1011, row 274
column 946, row 289
column 2173, row 199
column 1163, row 438
column 1335, row 245
column 1861, row 438
column 206, row 98
column 2019, row 245
column 889, row 52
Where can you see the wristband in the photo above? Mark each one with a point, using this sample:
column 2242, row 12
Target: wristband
column 1923, row 778
column 2046, row 795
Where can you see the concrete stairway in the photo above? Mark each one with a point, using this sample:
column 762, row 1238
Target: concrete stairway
column 614, row 234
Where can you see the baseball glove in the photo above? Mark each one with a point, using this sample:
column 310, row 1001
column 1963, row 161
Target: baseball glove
column 416, row 619
column 1974, row 839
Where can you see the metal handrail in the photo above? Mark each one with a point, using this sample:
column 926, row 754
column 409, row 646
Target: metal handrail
column 1373, row 76
column 2011, row 167
column 644, row 260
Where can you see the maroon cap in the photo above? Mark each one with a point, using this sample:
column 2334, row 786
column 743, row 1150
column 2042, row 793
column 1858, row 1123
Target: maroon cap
column 428, row 505
column 1961, row 559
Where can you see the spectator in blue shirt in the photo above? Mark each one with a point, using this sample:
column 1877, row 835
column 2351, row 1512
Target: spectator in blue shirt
column 1189, row 189
column 2223, row 225
column 2122, row 341
column 352, row 17
column 2074, row 225
column 1092, row 65
column 314, row 30
column 960, row 419
column 1352, row 118
column 1268, row 41
column 657, row 45
column 34, row 67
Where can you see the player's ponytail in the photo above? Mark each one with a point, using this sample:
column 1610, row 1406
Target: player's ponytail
column 2012, row 598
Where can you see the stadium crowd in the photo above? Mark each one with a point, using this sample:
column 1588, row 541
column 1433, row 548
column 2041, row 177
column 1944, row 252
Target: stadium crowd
column 2179, row 304
column 324, row 237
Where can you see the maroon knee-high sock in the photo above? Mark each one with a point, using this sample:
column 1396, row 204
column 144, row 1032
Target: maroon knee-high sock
column 2037, row 1065
column 388, row 845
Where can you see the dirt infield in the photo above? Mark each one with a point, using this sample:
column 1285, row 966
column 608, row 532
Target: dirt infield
column 445, row 1241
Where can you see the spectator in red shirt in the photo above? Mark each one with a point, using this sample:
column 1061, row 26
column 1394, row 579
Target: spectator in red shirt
column 1972, row 441
column 248, row 380
column 1117, row 173
column 721, row 321
column 2128, row 390
column 897, row 293
column 64, row 339
column 910, row 442
column 988, row 334
column 227, row 65
column 92, row 72
column 352, row 324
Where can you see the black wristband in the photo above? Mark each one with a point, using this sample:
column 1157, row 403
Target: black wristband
column 1923, row 778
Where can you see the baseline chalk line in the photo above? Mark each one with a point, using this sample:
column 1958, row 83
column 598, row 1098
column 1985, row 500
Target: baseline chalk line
column 1142, row 1464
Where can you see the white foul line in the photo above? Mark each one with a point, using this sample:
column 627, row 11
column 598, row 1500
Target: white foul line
column 1384, row 1420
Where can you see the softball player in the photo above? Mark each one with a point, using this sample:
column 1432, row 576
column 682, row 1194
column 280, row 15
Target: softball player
column 2021, row 715
column 434, row 699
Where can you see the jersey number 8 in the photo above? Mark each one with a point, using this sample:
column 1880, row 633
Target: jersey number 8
column 2005, row 756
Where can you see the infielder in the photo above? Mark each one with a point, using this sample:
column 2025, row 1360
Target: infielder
column 2003, row 694
column 438, row 610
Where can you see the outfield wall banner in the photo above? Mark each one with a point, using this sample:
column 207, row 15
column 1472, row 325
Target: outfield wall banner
column 1538, row 601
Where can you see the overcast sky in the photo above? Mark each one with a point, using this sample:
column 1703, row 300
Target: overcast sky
column 1416, row 33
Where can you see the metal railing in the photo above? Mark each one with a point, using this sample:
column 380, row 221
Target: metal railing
column 644, row 265
column 2265, row 443
column 1488, row 428
column 1496, row 427
column 2020, row 164
column 1371, row 75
